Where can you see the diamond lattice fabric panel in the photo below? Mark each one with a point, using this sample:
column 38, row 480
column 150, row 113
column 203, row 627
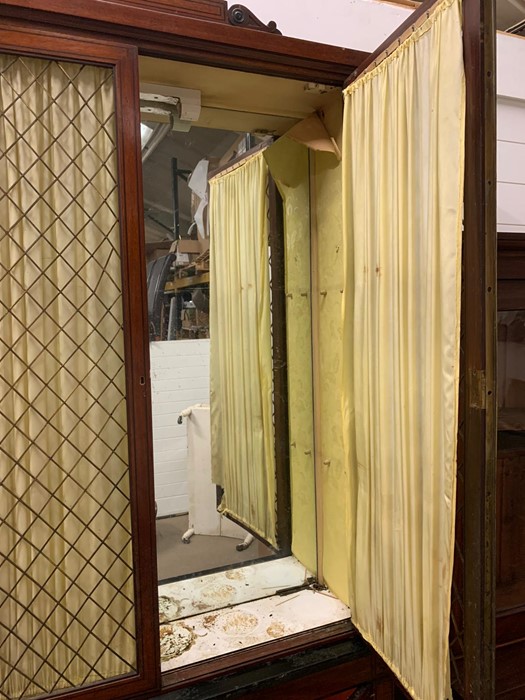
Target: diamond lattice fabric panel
column 403, row 192
column 66, row 580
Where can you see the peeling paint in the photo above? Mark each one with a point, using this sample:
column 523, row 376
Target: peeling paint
column 209, row 620
column 248, row 624
column 169, row 609
column 175, row 640
column 237, row 623
column 276, row 630
column 227, row 588
column 236, row 575
column 218, row 593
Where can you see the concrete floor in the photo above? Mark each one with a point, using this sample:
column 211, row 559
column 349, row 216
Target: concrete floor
column 203, row 553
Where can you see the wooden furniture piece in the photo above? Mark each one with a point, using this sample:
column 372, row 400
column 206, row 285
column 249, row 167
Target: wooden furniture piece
column 312, row 664
column 510, row 492
column 510, row 593
column 342, row 670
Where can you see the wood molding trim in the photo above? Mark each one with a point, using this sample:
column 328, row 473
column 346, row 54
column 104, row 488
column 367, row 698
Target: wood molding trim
column 241, row 16
column 158, row 29
column 211, row 10
column 263, row 653
column 480, row 437
column 510, row 626
column 277, row 247
column 511, row 243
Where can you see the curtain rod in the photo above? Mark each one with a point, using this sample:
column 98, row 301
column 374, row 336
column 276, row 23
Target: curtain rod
column 239, row 160
column 384, row 49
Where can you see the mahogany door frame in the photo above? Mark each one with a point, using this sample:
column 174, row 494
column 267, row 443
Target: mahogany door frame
column 479, row 352
column 25, row 40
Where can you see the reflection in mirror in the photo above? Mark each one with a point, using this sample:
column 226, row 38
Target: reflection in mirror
column 176, row 169
column 234, row 492
column 511, row 451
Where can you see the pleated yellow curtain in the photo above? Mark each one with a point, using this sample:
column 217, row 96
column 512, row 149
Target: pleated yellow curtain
column 402, row 194
column 66, row 574
column 242, row 434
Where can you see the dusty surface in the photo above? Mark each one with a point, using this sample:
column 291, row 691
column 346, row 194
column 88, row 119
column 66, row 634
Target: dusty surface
column 256, row 622
column 175, row 639
column 169, row 609
column 217, row 594
column 236, row 574
column 237, row 623
column 236, row 609
column 224, row 589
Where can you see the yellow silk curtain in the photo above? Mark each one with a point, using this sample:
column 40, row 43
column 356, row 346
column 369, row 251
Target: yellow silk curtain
column 403, row 178
column 66, row 578
column 242, row 435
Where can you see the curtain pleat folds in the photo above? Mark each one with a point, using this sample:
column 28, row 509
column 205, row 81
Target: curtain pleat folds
column 242, row 434
column 402, row 191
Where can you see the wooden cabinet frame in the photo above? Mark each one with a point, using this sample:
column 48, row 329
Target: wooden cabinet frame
column 157, row 28
column 28, row 40
column 199, row 32
column 479, row 355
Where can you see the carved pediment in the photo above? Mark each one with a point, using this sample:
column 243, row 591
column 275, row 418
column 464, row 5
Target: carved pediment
column 210, row 10
column 241, row 16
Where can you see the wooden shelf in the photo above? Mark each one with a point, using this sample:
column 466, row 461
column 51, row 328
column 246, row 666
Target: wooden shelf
column 185, row 282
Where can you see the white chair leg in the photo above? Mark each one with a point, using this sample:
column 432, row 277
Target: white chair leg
column 186, row 537
column 245, row 543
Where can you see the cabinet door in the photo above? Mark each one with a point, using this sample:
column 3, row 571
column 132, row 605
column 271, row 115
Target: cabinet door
column 78, row 578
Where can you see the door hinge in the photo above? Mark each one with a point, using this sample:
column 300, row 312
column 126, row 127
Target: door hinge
column 477, row 388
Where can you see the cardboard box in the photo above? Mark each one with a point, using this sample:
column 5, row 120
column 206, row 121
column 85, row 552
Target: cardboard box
column 190, row 247
column 186, row 246
column 204, row 244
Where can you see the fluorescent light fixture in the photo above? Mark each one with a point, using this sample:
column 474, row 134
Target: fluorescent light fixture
column 181, row 107
column 146, row 133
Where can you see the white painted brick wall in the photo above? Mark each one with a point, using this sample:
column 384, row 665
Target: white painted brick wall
column 180, row 377
column 358, row 24
column 511, row 133
column 511, row 165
